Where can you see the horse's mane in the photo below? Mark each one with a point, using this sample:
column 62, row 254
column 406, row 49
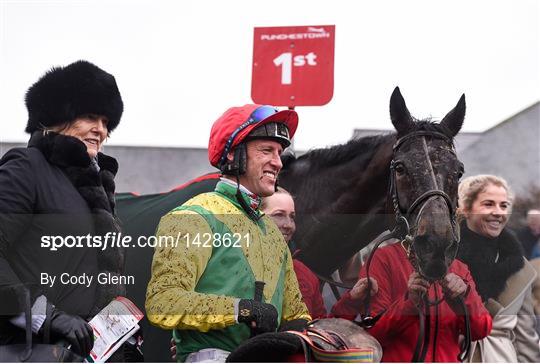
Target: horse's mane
column 368, row 145
column 342, row 153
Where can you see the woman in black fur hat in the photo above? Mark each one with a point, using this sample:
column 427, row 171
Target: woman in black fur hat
column 502, row 275
column 61, row 186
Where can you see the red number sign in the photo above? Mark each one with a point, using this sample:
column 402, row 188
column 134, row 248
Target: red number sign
column 293, row 66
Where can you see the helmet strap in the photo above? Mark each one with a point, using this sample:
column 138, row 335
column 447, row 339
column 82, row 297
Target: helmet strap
column 239, row 163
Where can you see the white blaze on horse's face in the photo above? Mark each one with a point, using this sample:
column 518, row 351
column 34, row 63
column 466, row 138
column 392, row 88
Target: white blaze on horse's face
column 263, row 166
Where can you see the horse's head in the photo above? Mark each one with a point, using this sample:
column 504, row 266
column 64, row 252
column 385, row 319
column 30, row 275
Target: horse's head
column 425, row 172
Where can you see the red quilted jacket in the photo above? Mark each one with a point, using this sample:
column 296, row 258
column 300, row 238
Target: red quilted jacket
column 398, row 328
column 309, row 287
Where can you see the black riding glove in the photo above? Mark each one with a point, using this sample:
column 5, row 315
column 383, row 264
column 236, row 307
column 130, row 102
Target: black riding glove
column 264, row 315
column 74, row 330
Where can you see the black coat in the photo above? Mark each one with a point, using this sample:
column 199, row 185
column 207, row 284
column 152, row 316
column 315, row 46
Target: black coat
column 52, row 188
column 491, row 260
column 528, row 240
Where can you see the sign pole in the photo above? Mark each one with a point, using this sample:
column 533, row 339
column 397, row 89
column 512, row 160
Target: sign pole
column 291, row 147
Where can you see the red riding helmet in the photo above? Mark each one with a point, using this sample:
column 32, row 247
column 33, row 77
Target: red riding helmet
column 251, row 121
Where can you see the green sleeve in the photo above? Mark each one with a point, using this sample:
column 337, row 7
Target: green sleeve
column 171, row 300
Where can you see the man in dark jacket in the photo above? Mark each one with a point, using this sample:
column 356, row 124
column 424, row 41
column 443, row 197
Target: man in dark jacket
column 54, row 194
column 529, row 236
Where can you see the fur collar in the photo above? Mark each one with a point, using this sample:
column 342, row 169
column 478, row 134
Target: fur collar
column 480, row 254
column 96, row 186
column 66, row 151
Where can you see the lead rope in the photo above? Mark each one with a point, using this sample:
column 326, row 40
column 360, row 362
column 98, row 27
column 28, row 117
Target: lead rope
column 427, row 331
column 466, row 346
column 422, row 343
column 401, row 229
column 368, row 321
column 435, row 332
column 421, row 335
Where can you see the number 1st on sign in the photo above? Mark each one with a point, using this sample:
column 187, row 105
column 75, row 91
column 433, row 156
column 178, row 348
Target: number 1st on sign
column 287, row 61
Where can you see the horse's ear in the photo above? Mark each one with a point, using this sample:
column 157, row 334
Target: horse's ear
column 399, row 114
column 453, row 121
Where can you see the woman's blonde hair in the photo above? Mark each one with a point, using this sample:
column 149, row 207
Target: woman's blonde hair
column 279, row 189
column 470, row 187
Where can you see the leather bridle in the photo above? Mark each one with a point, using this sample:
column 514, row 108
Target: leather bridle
column 402, row 231
column 420, row 201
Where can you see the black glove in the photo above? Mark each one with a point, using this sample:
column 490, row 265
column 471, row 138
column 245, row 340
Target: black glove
column 263, row 314
column 74, row 330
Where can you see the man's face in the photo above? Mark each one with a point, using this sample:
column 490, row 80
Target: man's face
column 263, row 166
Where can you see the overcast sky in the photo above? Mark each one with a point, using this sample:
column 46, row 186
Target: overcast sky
column 180, row 64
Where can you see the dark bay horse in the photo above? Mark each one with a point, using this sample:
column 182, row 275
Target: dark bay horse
column 345, row 198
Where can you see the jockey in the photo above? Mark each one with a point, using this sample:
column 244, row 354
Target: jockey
column 230, row 275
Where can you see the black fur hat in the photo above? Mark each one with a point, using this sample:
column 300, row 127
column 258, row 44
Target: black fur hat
column 65, row 93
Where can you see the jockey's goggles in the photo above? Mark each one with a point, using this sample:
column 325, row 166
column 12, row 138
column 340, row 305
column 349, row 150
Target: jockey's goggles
column 271, row 130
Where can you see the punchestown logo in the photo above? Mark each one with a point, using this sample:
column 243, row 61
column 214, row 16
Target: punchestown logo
column 312, row 33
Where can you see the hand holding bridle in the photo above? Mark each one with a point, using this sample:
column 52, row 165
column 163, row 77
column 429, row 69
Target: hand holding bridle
column 359, row 291
column 417, row 288
column 453, row 286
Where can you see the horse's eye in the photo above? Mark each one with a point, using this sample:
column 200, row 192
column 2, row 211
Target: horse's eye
column 461, row 170
column 399, row 168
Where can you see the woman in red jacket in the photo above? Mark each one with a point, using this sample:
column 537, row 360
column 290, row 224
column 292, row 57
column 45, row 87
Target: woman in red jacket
column 280, row 208
column 400, row 293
